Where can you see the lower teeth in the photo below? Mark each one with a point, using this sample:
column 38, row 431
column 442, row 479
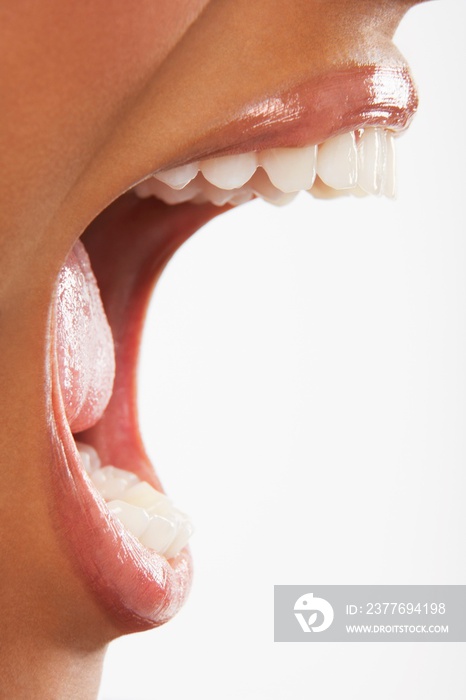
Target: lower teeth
column 146, row 513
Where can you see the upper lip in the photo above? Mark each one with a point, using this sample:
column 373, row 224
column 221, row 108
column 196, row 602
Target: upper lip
column 314, row 111
column 290, row 111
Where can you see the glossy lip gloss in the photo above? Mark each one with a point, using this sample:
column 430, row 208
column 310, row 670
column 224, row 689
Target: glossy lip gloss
column 316, row 110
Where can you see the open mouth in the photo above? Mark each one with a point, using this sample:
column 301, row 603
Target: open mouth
column 126, row 535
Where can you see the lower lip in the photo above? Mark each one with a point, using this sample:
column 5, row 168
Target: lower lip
column 139, row 588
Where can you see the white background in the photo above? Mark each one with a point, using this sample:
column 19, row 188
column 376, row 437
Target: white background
column 303, row 396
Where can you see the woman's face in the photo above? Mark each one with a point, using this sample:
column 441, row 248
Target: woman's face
column 97, row 96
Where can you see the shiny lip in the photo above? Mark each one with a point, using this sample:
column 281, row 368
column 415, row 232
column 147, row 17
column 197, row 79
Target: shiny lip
column 138, row 588
column 314, row 111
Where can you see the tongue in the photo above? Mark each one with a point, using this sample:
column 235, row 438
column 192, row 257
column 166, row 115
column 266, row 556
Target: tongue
column 84, row 343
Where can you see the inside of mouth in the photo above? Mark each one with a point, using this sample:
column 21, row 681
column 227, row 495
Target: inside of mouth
column 117, row 263
column 106, row 283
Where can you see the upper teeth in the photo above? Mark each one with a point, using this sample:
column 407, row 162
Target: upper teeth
column 377, row 162
column 338, row 162
column 147, row 513
column 229, row 172
column 290, row 169
column 362, row 163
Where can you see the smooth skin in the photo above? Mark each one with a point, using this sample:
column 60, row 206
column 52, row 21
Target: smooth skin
column 95, row 95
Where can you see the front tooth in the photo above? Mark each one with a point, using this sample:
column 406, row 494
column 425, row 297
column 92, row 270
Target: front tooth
column 389, row 181
column 185, row 530
column 376, row 153
column 290, row 169
column 337, row 161
column 369, row 154
column 89, row 457
column 134, row 519
column 389, row 175
column 261, row 185
column 144, row 495
column 112, row 483
column 161, row 507
column 178, row 177
column 159, row 534
column 229, row 172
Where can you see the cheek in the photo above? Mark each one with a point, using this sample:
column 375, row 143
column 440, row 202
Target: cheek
column 83, row 47
column 127, row 38
column 68, row 71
